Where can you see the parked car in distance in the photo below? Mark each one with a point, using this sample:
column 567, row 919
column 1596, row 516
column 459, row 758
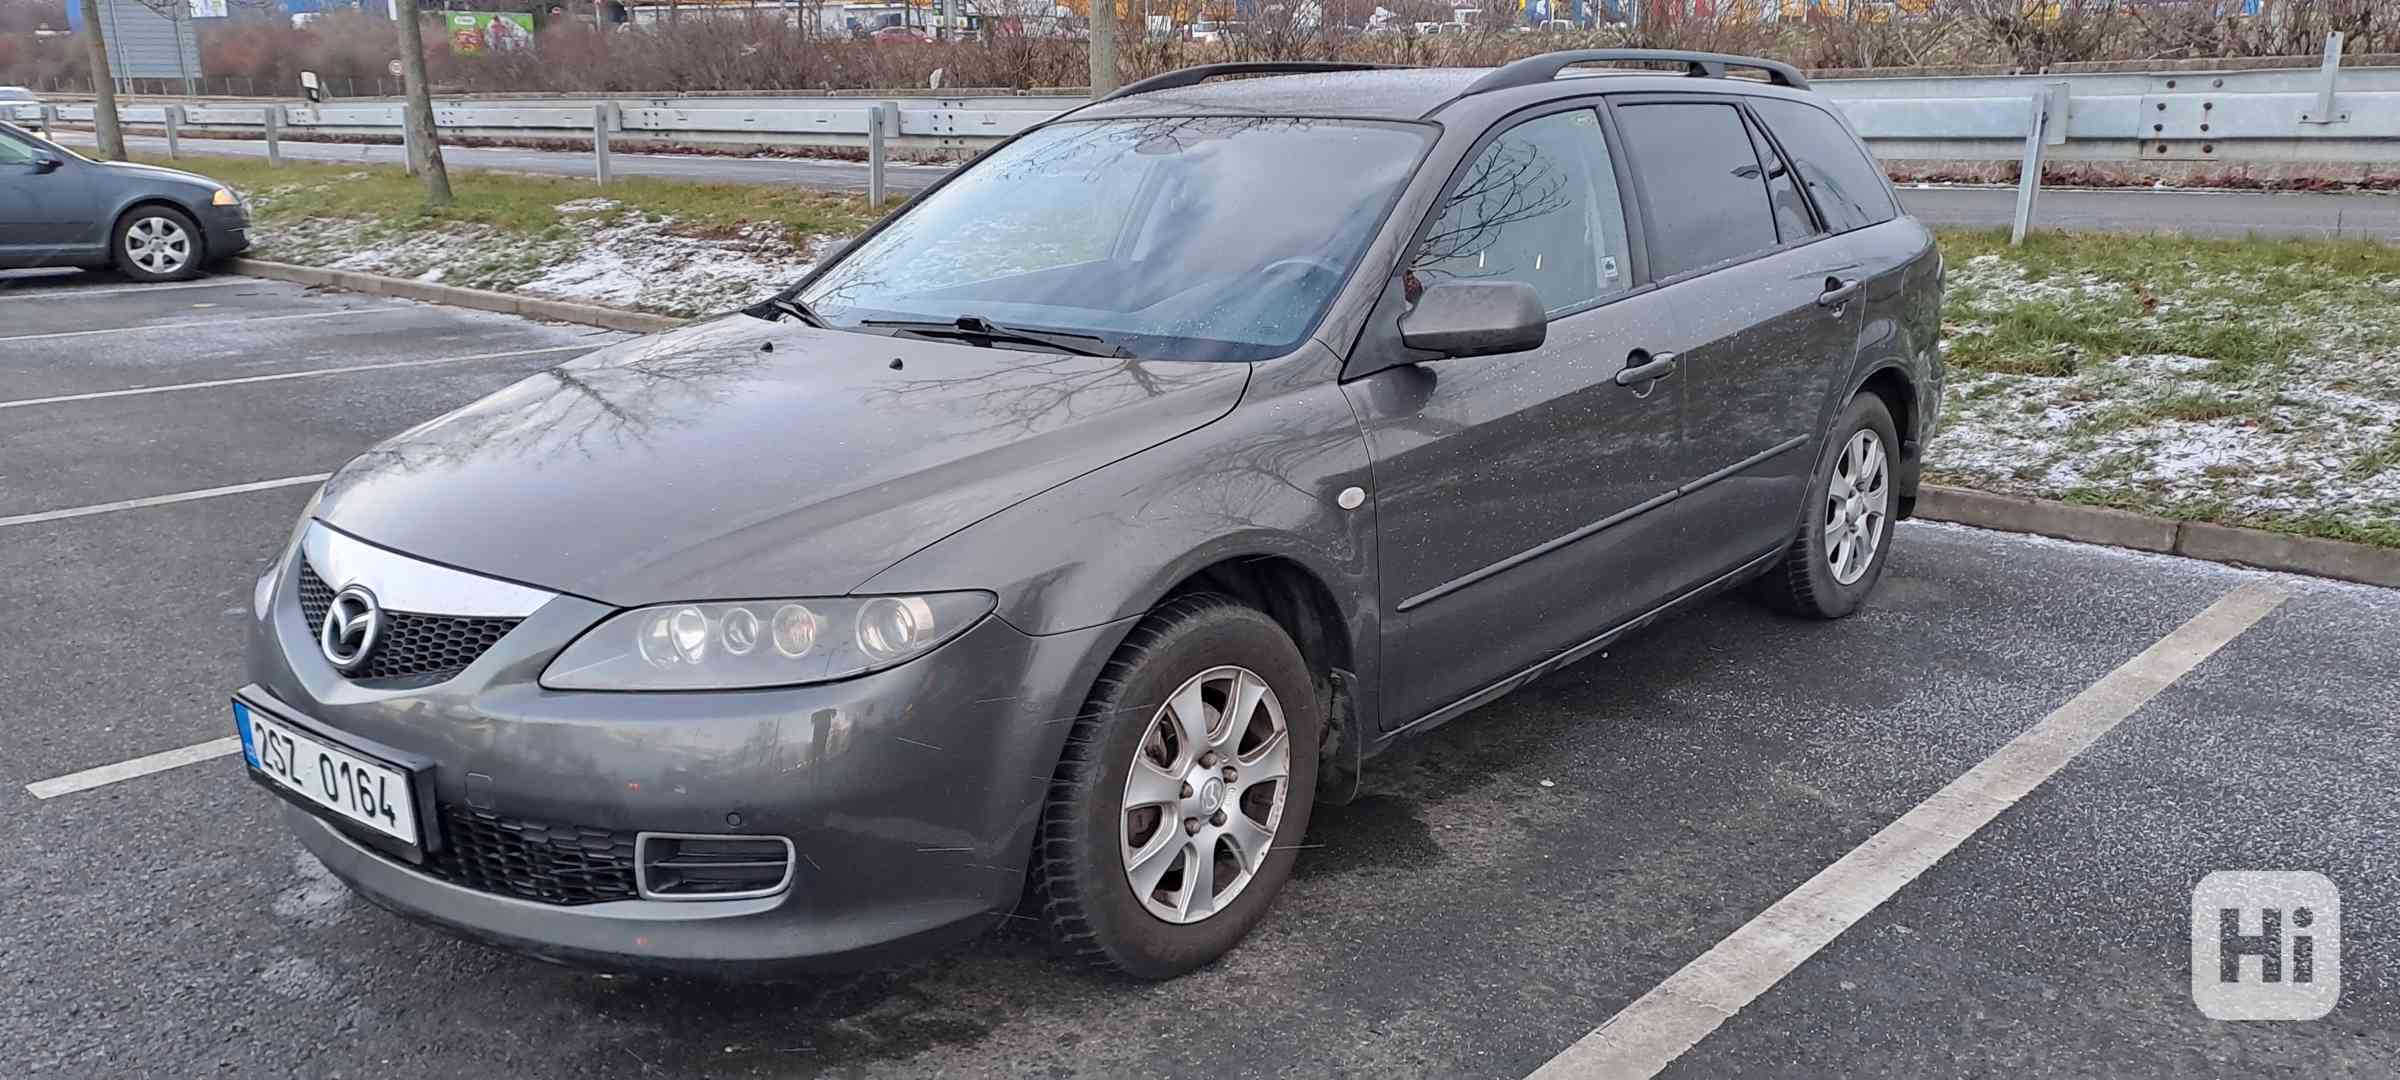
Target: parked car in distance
column 59, row 208
column 1068, row 536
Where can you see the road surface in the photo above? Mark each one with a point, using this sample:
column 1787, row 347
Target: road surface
column 2192, row 213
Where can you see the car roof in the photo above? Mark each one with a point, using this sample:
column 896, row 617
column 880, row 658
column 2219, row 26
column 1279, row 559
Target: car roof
column 1386, row 93
column 1389, row 93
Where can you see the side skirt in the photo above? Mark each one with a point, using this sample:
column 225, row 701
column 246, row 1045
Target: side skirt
column 1487, row 695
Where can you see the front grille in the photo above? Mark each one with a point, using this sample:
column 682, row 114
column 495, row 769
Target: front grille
column 412, row 648
column 552, row 864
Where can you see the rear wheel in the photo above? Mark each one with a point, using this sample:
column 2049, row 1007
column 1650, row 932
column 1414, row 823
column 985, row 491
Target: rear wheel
column 156, row 243
column 1846, row 527
column 1184, row 787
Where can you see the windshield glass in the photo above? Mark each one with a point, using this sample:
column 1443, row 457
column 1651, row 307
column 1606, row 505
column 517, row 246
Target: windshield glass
column 1190, row 238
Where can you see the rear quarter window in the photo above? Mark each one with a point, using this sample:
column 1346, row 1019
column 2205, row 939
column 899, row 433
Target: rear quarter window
column 1847, row 184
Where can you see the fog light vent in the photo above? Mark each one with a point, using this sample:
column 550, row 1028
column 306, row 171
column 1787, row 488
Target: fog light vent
column 686, row 866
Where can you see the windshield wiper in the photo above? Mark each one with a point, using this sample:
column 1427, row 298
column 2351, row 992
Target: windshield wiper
column 978, row 328
column 785, row 305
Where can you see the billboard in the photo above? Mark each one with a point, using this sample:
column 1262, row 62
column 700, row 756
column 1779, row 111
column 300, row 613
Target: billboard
column 476, row 32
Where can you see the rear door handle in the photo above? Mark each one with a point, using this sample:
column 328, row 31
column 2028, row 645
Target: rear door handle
column 1658, row 367
column 1838, row 292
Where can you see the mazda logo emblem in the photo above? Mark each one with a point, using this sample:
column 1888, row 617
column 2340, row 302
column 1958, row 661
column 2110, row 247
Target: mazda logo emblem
column 351, row 627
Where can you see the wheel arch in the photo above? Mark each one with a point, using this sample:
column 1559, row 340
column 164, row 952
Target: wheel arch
column 1900, row 395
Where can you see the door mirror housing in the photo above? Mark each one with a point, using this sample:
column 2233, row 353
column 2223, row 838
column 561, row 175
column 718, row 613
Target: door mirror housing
column 47, row 164
column 1476, row 318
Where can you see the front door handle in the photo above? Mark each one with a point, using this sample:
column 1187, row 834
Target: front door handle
column 1838, row 292
column 1635, row 374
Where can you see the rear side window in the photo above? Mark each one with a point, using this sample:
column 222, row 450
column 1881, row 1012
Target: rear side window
column 1705, row 190
column 1538, row 205
column 1848, row 186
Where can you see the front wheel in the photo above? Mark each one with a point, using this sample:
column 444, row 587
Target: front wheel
column 156, row 243
column 1846, row 527
column 1185, row 786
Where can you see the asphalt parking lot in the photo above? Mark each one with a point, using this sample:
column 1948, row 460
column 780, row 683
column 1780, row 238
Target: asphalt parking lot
column 1505, row 887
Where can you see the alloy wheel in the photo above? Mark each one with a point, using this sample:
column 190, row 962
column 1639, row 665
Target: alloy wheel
column 1857, row 506
column 158, row 245
column 1205, row 794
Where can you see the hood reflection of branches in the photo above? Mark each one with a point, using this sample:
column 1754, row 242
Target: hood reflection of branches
column 618, row 399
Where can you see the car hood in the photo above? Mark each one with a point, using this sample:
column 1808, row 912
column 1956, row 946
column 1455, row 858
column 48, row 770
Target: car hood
column 154, row 173
column 741, row 459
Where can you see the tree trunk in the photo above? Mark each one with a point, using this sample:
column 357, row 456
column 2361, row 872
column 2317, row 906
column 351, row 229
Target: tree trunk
column 424, row 153
column 1104, row 47
column 104, row 89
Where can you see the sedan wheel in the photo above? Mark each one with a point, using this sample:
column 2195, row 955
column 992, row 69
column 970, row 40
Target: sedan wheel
column 157, row 244
column 1204, row 794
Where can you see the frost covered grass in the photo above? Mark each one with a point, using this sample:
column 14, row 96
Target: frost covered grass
column 658, row 245
column 2246, row 382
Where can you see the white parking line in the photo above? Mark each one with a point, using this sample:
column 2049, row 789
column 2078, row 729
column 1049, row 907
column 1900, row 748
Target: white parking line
column 140, row 766
column 159, row 500
column 43, row 294
column 1648, row 1035
column 209, row 383
column 203, row 322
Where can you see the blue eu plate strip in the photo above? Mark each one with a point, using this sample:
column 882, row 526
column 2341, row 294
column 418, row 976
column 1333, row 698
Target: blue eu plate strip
column 241, row 724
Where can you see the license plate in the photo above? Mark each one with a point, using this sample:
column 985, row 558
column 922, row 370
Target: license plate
column 341, row 782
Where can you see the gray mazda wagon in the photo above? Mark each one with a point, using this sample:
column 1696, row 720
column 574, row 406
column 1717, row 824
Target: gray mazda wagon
column 1060, row 543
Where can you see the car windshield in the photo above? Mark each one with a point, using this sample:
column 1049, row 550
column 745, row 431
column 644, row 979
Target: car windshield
column 1190, row 238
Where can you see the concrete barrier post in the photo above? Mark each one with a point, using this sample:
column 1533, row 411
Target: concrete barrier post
column 2029, row 175
column 174, row 130
column 876, row 117
column 408, row 149
column 275, row 136
column 600, row 121
column 49, row 121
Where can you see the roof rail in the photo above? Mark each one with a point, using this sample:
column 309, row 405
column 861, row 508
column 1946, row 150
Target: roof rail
column 1534, row 70
column 1194, row 76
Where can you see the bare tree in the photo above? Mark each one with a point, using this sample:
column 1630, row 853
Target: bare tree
column 1104, row 47
column 425, row 155
column 104, row 90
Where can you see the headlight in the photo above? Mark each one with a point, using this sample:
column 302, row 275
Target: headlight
column 224, row 197
column 754, row 643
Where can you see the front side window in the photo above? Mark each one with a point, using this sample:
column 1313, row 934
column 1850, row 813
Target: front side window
column 1180, row 238
column 1703, row 185
column 1847, row 185
column 1538, row 205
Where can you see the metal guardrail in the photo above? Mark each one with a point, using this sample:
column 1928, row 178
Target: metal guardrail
column 2327, row 114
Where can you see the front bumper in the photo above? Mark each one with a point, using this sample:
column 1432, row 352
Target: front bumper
column 224, row 231
column 911, row 795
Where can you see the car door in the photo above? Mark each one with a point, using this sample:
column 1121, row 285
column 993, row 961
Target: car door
column 44, row 208
column 1765, row 305
column 1515, row 494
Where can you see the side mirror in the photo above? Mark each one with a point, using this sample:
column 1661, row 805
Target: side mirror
column 1476, row 318
column 46, row 165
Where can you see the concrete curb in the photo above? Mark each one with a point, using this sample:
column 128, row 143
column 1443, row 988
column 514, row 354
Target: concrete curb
column 608, row 318
column 2258, row 548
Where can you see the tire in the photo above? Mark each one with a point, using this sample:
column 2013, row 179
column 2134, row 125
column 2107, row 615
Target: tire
column 156, row 243
column 1095, row 829
column 1821, row 576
